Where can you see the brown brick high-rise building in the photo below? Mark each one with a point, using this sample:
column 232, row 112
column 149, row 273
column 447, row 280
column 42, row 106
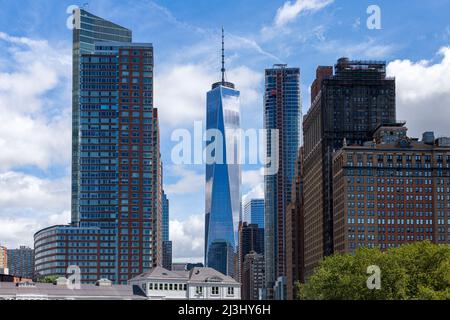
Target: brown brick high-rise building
column 294, row 232
column 117, row 233
column 348, row 105
column 392, row 191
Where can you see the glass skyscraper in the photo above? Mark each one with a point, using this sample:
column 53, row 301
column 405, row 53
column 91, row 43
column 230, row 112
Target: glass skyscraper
column 282, row 112
column 223, row 177
column 117, row 172
column 254, row 212
column 87, row 30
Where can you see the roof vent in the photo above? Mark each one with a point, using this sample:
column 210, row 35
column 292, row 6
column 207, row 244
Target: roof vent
column 103, row 283
column 428, row 137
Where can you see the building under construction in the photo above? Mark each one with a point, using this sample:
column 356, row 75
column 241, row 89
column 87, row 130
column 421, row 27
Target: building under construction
column 345, row 106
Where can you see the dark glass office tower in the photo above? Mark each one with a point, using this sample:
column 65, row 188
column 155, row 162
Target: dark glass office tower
column 223, row 178
column 346, row 107
column 165, row 217
column 88, row 29
column 254, row 212
column 282, row 112
column 167, row 244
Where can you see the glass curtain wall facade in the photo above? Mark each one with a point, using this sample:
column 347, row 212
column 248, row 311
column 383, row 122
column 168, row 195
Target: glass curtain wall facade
column 120, row 165
column 117, row 171
column 254, row 212
column 223, row 179
column 21, row 262
column 88, row 29
column 282, row 112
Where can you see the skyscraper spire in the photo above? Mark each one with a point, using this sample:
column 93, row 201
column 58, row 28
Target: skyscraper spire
column 223, row 82
column 223, row 56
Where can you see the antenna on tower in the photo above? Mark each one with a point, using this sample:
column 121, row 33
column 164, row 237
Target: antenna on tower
column 223, row 55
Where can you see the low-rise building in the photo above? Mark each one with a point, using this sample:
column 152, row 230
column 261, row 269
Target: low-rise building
column 196, row 284
column 21, row 262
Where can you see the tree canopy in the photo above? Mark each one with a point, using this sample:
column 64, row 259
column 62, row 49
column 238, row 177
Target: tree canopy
column 419, row 271
column 47, row 279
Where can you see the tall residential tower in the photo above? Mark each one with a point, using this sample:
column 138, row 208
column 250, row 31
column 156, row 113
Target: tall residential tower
column 116, row 185
column 282, row 114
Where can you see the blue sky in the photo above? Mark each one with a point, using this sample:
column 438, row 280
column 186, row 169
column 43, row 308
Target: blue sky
column 35, row 67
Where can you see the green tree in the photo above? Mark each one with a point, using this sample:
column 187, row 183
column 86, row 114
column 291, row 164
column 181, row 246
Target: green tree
column 47, row 279
column 416, row 271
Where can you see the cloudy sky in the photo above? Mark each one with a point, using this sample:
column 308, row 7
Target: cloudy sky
column 35, row 85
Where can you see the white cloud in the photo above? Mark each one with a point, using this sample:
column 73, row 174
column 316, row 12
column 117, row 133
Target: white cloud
column 369, row 49
column 35, row 131
column 423, row 93
column 291, row 10
column 34, row 103
column 21, row 192
column 180, row 91
column 188, row 181
column 28, row 204
column 188, row 238
column 253, row 181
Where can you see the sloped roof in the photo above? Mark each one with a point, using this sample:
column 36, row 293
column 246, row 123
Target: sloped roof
column 195, row 275
column 159, row 273
column 86, row 291
column 209, row 275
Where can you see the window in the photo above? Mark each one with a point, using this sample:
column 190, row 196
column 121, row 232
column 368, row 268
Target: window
column 199, row 290
column 230, row 291
column 215, row 291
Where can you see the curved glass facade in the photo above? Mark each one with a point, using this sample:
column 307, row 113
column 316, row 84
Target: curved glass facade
column 223, row 179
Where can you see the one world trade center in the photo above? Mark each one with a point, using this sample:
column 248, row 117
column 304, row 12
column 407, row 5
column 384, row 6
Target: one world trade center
column 223, row 175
